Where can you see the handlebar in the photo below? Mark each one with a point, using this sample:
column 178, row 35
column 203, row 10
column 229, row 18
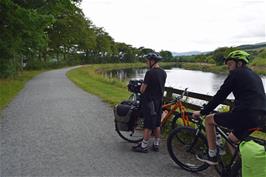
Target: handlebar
column 189, row 114
column 178, row 98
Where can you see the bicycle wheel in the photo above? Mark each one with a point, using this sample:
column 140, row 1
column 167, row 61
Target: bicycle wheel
column 133, row 136
column 183, row 145
column 236, row 170
column 223, row 168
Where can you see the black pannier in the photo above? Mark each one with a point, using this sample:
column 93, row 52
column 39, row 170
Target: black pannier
column 126, row 114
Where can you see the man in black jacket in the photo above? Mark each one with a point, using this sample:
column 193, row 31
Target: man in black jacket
column 250, row 104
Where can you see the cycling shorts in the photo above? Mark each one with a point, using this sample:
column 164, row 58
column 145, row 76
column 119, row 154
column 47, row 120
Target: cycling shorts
column 152, row 112
column 240, row 122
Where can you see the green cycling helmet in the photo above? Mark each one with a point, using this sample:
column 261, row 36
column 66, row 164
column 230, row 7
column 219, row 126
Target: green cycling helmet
column 238, row 55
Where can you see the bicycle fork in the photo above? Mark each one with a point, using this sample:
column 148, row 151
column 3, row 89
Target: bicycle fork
column 194, row 141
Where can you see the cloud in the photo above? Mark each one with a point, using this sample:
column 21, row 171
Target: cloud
column 181, row 25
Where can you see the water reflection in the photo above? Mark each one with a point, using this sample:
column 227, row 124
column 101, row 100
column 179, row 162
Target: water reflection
column 127, row 74
column 217, row 80
column 195, row 81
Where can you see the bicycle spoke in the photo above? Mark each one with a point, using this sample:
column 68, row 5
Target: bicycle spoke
column 133, row 136
column 183, row 148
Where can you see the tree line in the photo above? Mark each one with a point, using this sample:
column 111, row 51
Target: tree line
column 257, row 55
column 36, row 34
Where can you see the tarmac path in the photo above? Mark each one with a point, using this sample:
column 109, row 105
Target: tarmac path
column 54, row 128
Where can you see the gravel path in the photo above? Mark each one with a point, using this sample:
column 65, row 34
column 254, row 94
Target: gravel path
column 53, row 128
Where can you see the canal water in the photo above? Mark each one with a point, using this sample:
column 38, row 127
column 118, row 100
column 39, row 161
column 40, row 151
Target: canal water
column 196, row 81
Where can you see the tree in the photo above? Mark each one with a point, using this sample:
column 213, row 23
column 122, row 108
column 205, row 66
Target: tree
column 220, row 53
column 167, row 55
column 126, row 52
column 22, row 33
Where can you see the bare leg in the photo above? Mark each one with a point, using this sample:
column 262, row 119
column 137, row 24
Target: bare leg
column 143, row 146
column 233, row 138
column 146, row 134
column 211, row 132
column 157, row 132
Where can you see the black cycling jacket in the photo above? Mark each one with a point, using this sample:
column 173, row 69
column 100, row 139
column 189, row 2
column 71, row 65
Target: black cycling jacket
column 247, row 88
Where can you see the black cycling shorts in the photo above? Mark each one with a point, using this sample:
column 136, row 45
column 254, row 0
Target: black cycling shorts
column 241, row 123
column 152, row 112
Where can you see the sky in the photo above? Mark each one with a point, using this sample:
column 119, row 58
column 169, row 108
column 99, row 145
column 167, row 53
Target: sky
column 180, row 25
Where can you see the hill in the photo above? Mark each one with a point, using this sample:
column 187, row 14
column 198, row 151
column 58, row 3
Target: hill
column 242, row 47
column 188, row 53
column 252, row 46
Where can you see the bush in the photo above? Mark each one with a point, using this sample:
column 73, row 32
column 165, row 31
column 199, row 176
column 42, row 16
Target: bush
column 8, row 68
column 35, row 64
column 260, row 59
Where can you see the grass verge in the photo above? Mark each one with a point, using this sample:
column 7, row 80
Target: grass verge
column 90, row 79
column 10, row 87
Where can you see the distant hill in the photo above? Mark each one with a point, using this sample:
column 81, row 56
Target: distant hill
column 252, row 46
column 187, row 53
column 243, row 47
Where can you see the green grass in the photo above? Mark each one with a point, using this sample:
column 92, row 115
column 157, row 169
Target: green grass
column 259, row 63
column 111, row 90
column 10, row 87
column 91, row 80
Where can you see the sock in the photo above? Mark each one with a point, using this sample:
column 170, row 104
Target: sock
column 212, row 152
column 144, row 143
column 156, row 141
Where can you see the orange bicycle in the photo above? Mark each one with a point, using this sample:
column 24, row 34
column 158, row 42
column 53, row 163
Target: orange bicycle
column 129, row 121
column 175, row 112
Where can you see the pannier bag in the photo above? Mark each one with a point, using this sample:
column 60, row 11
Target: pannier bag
column 253, row 157
column 126, row 114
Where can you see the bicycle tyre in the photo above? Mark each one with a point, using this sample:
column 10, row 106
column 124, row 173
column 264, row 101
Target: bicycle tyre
column 178, row 142
column 133, row 136
column 236, row 169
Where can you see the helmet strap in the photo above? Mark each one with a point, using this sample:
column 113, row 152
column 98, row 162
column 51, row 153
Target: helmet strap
column 239, row 64
column 155, row 62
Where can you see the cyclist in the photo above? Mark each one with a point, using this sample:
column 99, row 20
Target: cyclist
column 250, row 104
column 152, row 91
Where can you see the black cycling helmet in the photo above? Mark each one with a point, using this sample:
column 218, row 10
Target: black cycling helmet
column 153, row 56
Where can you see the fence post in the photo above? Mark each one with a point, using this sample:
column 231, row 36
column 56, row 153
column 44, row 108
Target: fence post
column 169, row 93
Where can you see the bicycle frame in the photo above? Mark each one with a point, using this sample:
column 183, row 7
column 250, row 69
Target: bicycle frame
column 171, row 110
column 226, row 168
